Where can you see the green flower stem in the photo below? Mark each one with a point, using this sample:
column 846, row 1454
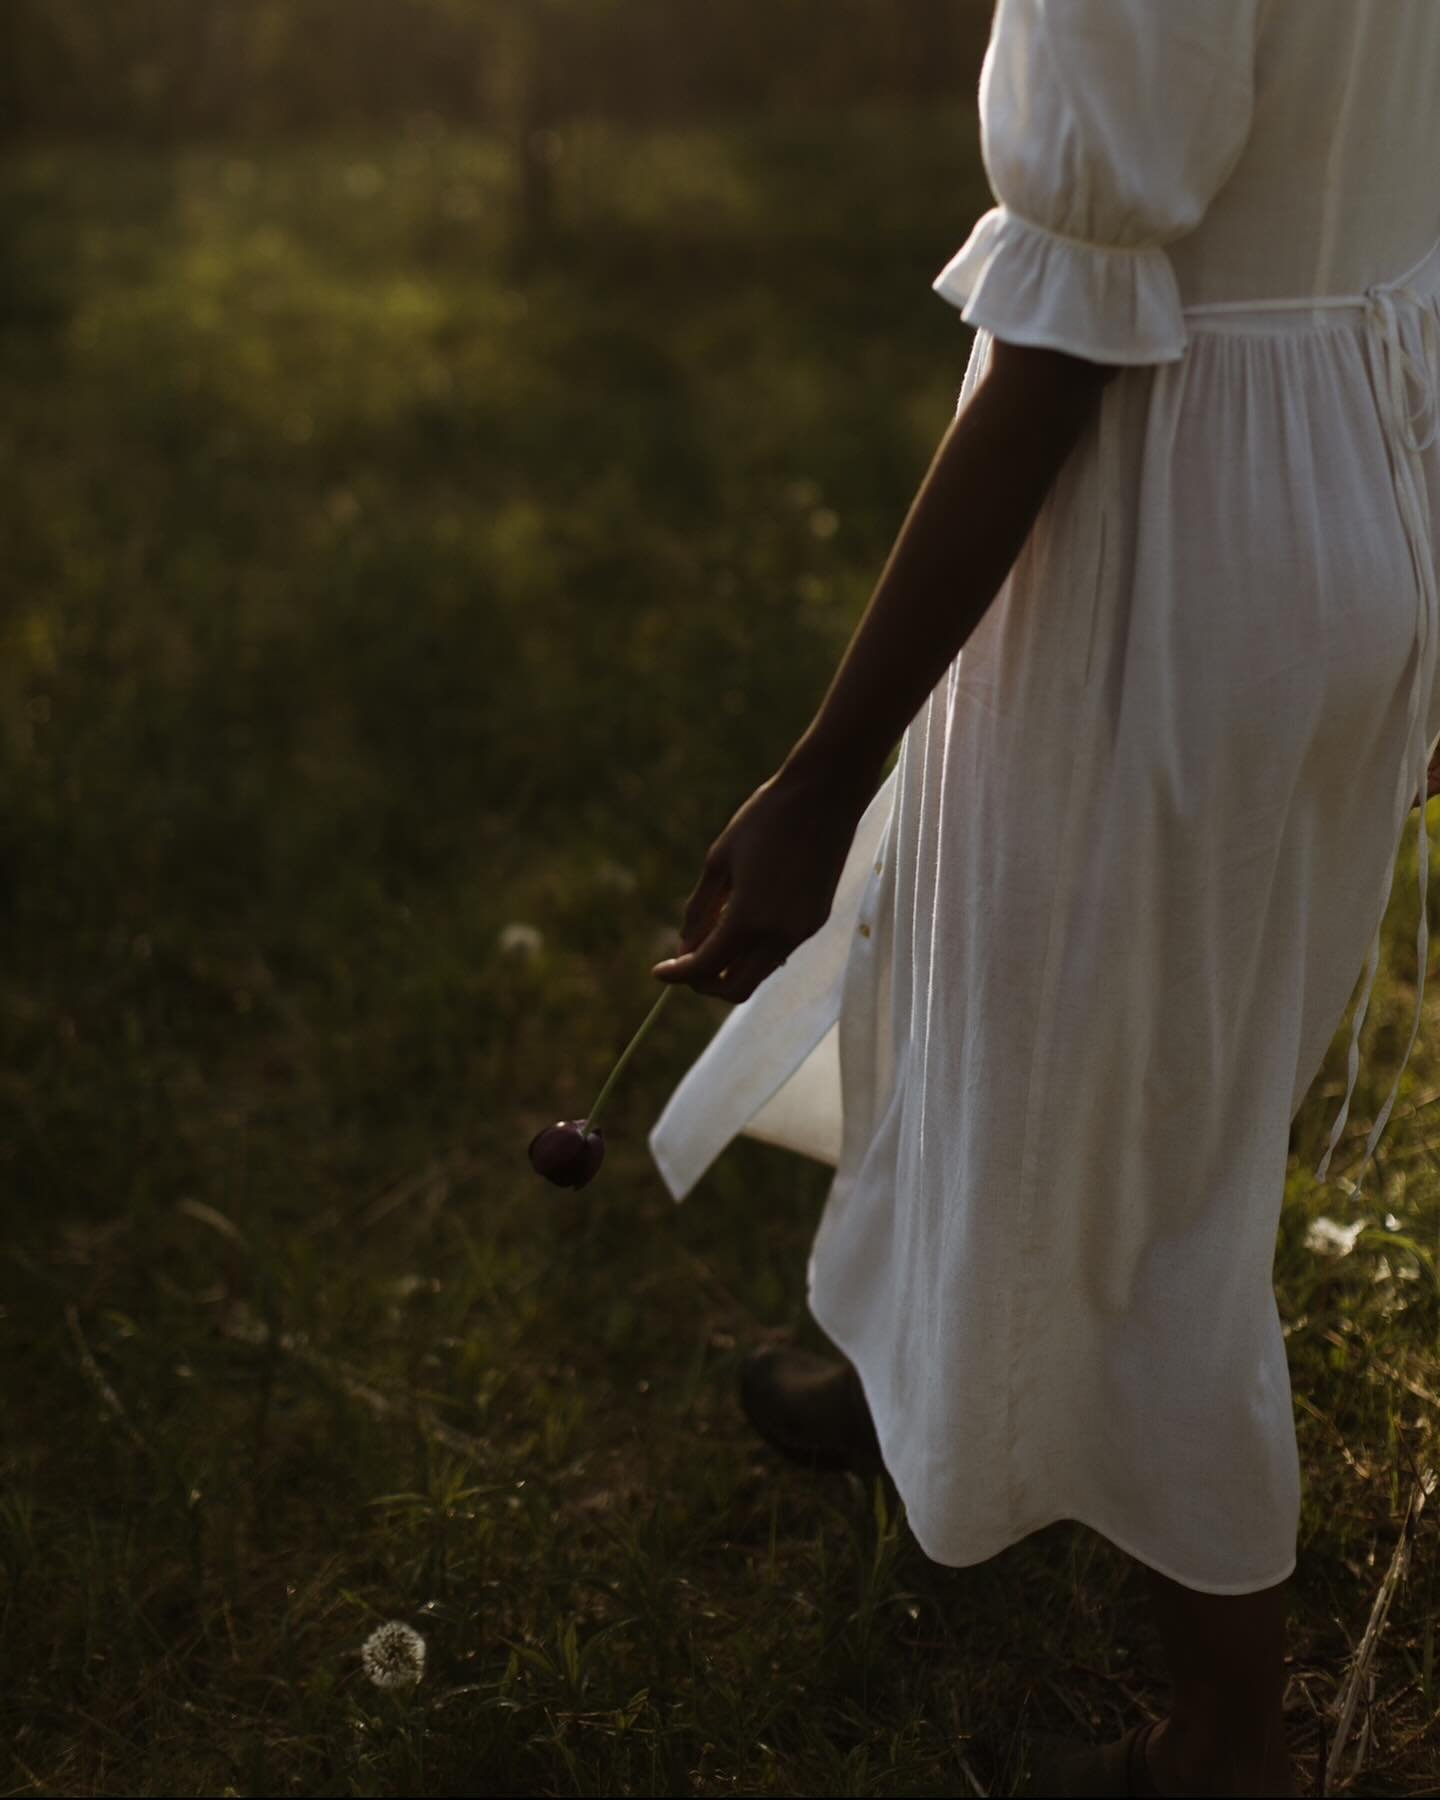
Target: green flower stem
column 625, row 1056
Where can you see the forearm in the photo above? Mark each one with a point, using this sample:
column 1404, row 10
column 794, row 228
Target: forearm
column 977, row 503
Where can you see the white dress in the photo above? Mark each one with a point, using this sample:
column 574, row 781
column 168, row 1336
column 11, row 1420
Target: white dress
column 1099, row 926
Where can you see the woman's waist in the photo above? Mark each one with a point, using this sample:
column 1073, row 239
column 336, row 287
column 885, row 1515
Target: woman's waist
column 1420, row 280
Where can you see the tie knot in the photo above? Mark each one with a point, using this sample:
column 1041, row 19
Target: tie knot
column 1399, row 373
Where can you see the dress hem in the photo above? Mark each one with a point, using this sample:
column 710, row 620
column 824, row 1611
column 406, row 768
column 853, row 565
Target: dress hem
column 1201, row 1587
column 970, row 1560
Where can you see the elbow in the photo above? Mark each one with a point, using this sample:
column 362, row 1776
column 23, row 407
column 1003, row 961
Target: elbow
column 1038, row 369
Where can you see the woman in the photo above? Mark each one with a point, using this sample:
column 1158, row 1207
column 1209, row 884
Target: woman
column 1160, row 635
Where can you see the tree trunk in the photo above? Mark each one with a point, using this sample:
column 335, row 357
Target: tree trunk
column 534, row 124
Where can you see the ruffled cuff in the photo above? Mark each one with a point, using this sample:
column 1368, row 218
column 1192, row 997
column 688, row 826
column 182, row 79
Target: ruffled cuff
column 1028, row 285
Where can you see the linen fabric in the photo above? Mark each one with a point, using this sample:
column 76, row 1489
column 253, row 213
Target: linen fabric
column 1101, row 922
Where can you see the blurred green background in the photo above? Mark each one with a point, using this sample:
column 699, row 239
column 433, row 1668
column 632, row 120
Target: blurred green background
column 446, row 446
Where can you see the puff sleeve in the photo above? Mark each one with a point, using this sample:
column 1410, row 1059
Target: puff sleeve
column 1106, row 128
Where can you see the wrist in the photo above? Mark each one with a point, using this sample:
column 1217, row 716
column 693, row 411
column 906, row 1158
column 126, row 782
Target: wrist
column 848, row 771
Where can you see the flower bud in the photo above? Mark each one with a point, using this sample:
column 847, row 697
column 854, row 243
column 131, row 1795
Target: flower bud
column 566, row 1153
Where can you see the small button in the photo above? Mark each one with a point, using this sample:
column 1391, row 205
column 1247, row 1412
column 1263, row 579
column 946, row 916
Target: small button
column 864, row 929
column 878, row 867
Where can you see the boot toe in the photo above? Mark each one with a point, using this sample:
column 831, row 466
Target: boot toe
column 811, row 1408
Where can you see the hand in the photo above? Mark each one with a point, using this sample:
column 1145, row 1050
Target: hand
column 767, row 884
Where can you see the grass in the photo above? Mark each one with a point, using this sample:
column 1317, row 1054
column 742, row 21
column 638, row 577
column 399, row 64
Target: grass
column 373, row 588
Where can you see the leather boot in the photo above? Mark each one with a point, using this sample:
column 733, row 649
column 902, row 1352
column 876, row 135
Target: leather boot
column 811, row 1408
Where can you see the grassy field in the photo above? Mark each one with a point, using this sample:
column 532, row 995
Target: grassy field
column 372, row 589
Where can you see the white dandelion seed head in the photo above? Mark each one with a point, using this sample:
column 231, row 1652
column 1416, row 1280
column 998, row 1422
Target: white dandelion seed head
column 393, row 1655
column 1332, row 1239
column 521, row 940
column 615, row 876
column 246, row 1325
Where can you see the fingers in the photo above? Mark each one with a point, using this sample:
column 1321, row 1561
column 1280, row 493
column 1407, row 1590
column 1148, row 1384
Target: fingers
column 709, row 957
column 704, row 902
column 746, row 971
column 731, row 962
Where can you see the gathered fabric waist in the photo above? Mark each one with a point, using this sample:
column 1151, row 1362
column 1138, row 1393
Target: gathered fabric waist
column 1421, row 279
column 1407, row 398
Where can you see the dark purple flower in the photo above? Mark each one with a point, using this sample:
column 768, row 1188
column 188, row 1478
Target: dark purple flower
column 567, row 1153
column 570, row 1152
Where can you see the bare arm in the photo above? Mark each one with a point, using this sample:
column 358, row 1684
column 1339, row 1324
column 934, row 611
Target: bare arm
column 986, row 483
column 769, row 879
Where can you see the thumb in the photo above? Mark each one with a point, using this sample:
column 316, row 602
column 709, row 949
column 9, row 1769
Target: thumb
column 714, row 954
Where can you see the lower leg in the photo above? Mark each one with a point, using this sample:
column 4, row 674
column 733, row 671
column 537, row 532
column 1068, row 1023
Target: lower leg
column 1225, row 1732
